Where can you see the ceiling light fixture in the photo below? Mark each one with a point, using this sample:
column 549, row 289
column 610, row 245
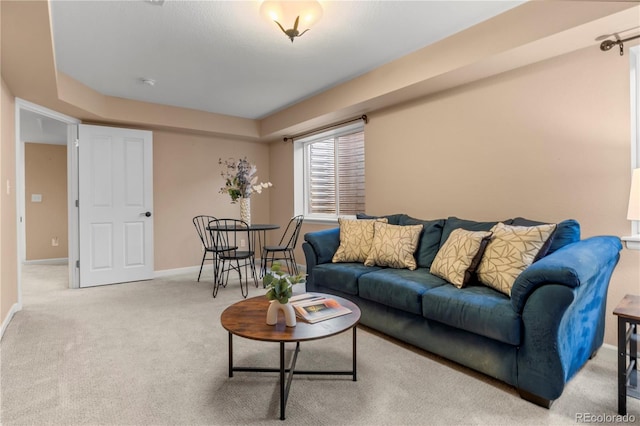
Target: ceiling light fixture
column 301, row 13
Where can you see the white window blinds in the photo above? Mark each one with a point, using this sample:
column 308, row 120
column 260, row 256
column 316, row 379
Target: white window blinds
column 335, row 175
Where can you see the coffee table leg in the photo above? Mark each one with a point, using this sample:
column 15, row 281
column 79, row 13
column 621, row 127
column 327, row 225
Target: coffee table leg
column 354, row 354
column 230, row 355
column 282, row 397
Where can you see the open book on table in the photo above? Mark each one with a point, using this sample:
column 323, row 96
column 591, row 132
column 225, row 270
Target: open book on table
column 313, row 308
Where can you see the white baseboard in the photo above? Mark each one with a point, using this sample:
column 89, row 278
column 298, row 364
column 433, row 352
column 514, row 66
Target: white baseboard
column 178, row 271
column 206, row 267
column 56, row 261
column 15, row 308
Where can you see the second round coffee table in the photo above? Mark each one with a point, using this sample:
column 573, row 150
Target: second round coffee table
column 247, row 319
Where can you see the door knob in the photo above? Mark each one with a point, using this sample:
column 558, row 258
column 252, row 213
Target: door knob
column 148, row 214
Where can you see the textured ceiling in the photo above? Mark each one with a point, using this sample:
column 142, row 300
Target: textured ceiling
column 222, row 57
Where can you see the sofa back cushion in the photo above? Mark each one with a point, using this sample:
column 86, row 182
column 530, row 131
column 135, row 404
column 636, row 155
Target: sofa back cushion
column 468, row 225
column 429, row 241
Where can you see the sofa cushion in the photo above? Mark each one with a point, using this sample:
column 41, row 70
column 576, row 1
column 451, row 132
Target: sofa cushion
column 356, row 237
column 469, row 225
column 398, row 288
column 393, row 219
column 511, row 250
column 393, row 246
column 340, row 276
column 460, row 255
column 477, row 309
column 567, row 232
column 429, row 242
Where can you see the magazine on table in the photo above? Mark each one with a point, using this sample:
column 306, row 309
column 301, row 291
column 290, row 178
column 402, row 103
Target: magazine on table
column 313, row 308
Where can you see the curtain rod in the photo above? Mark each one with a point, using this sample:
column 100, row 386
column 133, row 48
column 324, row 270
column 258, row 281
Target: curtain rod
column 363, row 117
column 608, row 44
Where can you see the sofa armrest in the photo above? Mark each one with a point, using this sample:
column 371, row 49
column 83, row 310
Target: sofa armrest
column 571, row 266
column 563, row 313
column 324, row 244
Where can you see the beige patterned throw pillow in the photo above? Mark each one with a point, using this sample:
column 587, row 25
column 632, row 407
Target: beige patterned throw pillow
column 458, row 257
column 356, row 236
column 394, row 246
column 511, row 250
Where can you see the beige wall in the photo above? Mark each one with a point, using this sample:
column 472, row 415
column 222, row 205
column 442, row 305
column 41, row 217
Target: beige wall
column 550, row 141
column 46, row 174
column 186, row 184
column 8, row 224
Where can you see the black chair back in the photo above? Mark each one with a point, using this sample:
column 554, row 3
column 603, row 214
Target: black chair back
column 290, row 236
column 201, row 222
column 233, row 244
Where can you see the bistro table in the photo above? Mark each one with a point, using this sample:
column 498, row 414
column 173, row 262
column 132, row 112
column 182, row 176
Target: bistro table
column 257, row 229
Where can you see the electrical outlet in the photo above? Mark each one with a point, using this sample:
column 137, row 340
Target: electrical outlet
column 242, row 243
column 55, row 242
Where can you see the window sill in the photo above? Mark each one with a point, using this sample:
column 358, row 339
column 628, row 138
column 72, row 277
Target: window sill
column 326, row 220
column 632, row 242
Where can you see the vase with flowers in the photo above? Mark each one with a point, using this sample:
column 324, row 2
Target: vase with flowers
column 241, row 180
column 280, row 285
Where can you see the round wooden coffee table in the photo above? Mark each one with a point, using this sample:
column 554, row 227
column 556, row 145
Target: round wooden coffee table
column 247, row 319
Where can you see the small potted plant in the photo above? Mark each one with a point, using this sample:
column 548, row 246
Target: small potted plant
column 280, row 285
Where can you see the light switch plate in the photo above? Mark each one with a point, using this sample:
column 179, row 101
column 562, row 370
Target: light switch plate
column 36, row 198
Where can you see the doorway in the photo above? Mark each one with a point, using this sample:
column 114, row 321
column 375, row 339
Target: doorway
column 43, row 134
column 45, row 170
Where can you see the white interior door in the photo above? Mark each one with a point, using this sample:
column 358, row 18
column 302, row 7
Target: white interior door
column 115, row 205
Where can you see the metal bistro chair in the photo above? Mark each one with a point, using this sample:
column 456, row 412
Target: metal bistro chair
column 201, row 222
column 285, row 248
column 234, row 248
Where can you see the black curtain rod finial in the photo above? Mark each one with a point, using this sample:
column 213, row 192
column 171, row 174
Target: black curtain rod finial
column 608, row 44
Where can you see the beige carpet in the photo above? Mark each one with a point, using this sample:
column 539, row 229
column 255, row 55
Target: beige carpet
column 154, row 353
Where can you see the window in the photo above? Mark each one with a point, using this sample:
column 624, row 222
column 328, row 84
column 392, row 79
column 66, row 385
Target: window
column 634, row 62
column 329, row 172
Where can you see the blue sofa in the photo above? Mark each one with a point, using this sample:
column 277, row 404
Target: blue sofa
column 536, row 340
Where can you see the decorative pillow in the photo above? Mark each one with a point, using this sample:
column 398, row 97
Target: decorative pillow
column 458, row 258
column 567, row 232
column 356, row 236
column 394, row 245
column 511, row 250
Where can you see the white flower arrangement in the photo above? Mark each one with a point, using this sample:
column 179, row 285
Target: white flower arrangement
column 241, row 179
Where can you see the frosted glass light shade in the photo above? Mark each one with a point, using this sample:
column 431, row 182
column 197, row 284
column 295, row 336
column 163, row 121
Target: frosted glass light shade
column 286, row 12
column 634, row 197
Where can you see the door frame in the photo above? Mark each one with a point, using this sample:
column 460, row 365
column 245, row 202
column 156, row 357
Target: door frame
column 72, row 189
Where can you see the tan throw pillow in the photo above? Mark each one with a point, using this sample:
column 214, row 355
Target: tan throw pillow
column 394, row 246
column 458, row 258
column 511, row 250
column 356, row 236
